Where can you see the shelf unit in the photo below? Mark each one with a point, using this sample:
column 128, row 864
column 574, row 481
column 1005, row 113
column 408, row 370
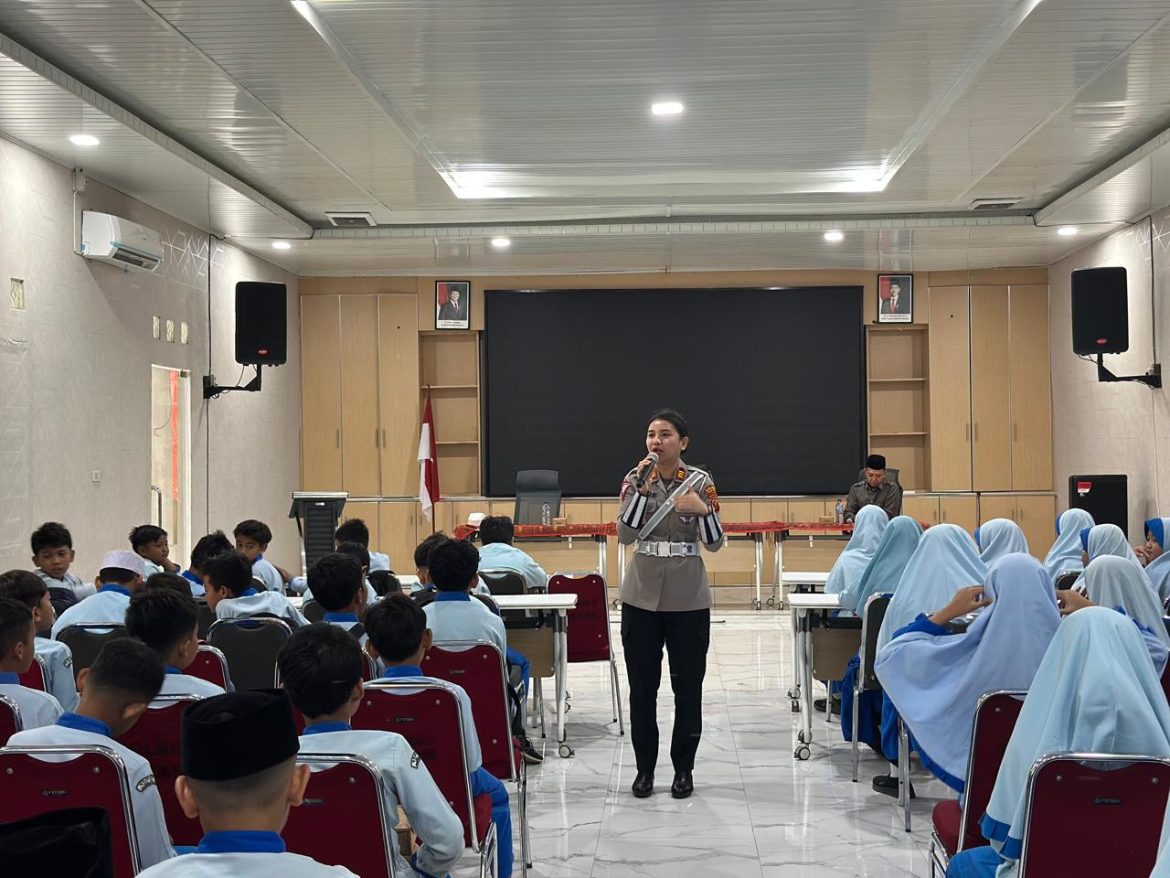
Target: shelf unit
column 897, row 398
column 449, row 371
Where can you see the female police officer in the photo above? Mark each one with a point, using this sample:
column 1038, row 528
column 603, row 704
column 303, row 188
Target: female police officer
column 665, row 598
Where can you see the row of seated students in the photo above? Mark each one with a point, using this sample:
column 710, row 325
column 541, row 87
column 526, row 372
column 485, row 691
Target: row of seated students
column 1082, row 633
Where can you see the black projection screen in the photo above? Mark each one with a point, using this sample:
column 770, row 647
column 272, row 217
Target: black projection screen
column 771, row 382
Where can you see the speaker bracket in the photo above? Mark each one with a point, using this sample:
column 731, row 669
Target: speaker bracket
column 1153, row 378
column 212, row 390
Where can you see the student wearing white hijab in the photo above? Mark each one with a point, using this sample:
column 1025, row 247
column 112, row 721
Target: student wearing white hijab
column 999, row 537
column 935, row 678
column 1065, row 554
column 1156, row 556
column 868, row 526
column 1095, row 691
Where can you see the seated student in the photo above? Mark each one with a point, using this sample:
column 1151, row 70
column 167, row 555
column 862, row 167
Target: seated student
column 362, row 555
column 336, row 583
column 422, row 554
column 1094, row 692
column 868, row 527
column 52, row 547
column 935, row 678
column 998, row 537
column 30, row 590
column 252, row 539
column 321, row 670
column 150, row 542
column 215, row 543
column 1116, row 583
column 1107, row 539
column 124, row 678
column 17, row 633
column 241, row 792
column 1153, row 554
column 167, row 621
column 496, row 533
column 1065, row 554
column 230, row 591
column 399, row 637
column 119, row 576
column 354, row 530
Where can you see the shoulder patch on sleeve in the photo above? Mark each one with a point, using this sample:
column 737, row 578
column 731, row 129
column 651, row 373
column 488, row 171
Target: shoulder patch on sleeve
column 415, row 759
column 625, row 489
column 712, row 496
column 68, row 661
column 146, row 783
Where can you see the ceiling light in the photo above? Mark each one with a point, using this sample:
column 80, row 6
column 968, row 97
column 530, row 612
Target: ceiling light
column 501, row 243
column 1067, row 231
column 281, row 245
column 666, row 108
column 83, row 140
column 834, row 236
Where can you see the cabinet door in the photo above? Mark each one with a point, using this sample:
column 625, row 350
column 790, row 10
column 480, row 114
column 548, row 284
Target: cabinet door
column 320, row 393
column 398, row 400
column 361, row 436
column 1031, row 407
column 960, row 509
column 996, row 506
column 991, row 454
column 950, row 389
column 1036, row 516
column 399, row 532
column 921, row 507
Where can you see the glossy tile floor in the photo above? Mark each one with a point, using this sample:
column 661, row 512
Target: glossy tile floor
column 756, row 810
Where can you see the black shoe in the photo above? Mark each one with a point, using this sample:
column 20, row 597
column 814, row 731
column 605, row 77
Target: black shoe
column 531, row 755
column 643, row 785
column 888, row 786
column 819, row 705
column 683, row 785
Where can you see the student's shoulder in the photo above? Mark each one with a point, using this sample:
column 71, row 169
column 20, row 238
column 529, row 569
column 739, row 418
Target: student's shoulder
column 46, row 646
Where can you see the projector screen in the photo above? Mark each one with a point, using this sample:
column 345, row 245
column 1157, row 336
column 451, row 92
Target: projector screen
column 771, row 382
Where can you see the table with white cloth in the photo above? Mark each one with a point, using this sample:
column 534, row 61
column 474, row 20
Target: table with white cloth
column 802, row 607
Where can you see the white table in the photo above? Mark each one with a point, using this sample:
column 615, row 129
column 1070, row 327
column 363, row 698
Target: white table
column 801, row 606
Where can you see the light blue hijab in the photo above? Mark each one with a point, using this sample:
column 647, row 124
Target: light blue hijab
column 889, row 560
column 935, row 680
column 868, row 526
column 1158, row 570
column 945, row 561
column 1095, row 691
column 1115, row 583
column 999, row 537
column 1065, row 554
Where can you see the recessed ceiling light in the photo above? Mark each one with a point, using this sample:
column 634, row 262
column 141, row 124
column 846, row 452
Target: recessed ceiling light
column 834, row 236
column 501, row 243
column 1067, row 231
column 83, row 140
column 281, row 245
column 666, row 108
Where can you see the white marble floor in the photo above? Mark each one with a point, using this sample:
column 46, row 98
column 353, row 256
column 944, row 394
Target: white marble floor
column 756, row 810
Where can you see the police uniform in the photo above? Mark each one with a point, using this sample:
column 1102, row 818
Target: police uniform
column 666, row 601
column 252, row 602
column 59, row 681
column 267, row 574
column 178, row 683
column 107, row 607
column 406, row 781
column 74, row 730
column 36, row 708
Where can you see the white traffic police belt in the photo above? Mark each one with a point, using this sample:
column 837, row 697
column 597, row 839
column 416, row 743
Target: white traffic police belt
column 667, row 550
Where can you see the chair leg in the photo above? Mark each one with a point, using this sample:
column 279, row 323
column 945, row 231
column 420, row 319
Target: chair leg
column 856, row 719
column 539, row 696
column 617, row 687
column 525, row 839
column 613, row 689
column 904, row 770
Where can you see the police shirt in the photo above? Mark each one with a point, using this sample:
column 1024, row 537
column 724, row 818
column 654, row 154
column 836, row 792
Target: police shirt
column 501, row 556
column 58, row 664
column 259, row 602
column 107, row 607
column 406, row 781
column 36, row 708
column 73, row 730
column 471, row 752
column 668, row 584
column 267, row 574
column 178, row 683
column 456, row 615
column 244, row 853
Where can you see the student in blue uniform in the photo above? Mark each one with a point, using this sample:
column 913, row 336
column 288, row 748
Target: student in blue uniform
column 17, row 633
column 1065, row 554
column 1156, row 558
column 252, row 540
column 215, row 543
column 354, row 530
column 997, row 537
column 150, row 541
column 399, row 637
column 167, row 621
column 57, row 658
column 321, row 670
column 242, row 793
column 337, row 584
column 52, row 548
column 118, row 578
column 231, row 591
column 115, row 690
column 496, row 552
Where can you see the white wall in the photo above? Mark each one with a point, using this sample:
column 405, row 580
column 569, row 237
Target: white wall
column 1124, row 427
column 75, row 372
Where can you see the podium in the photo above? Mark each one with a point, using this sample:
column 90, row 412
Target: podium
column 317, row 514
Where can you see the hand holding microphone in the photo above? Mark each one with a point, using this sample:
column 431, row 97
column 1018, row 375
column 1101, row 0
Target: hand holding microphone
column 645, row 471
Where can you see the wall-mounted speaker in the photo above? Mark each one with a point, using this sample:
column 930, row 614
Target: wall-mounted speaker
column 261, row 318
column 1100, row 311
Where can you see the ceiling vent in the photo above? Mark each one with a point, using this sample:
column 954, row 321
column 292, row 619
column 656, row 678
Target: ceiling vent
column 995, row 203
column 346, row 220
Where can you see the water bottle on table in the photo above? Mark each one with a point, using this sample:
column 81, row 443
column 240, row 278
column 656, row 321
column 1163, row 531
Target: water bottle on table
column 546, row 514
column 840, row 519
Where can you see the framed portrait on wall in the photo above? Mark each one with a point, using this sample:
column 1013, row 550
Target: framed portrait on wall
column 895, row 298
column 452, row 304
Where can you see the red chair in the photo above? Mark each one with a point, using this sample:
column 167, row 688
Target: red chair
column 1115, row 805
column 955, row 828
column 588, row 634
column 38, row 780
column 10, row 722
column 344, row 800
column 37, row 675
column 211, row 665
column 427, row 714
column 156, row 737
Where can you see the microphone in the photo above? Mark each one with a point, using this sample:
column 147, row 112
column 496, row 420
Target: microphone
column 644, row 473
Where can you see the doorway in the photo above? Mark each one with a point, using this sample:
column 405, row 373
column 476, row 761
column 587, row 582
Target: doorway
column 170, row 457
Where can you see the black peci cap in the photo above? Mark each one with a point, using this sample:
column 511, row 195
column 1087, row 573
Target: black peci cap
column 876, row 461
column 238, row 734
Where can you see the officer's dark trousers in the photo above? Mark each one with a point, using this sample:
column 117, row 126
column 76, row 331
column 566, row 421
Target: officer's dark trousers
column 686, row 636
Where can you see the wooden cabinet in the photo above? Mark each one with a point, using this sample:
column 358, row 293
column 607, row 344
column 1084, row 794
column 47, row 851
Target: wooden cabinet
column 1031, row 389
column 360, row 429
column 399, row 414
column 896, row 399
column 1034, row 513
column 958, row 509
column 991, row 446
column 401, row 526
column 320, row 393
column 950, row 389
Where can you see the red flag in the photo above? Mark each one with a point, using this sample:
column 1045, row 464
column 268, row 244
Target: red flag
column 428, row 466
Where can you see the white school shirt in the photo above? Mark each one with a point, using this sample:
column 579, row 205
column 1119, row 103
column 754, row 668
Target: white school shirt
column 69, row 581
column 267, row 574
column 36, row 708
column 471, row 752
column 260, row 602
column 58, row 659
column 501, row 556
column 72, row 730
column 149, row 568
column 406, row 781
column 458, row 616
column 379, row 561
column 178, row 683
column 107, row 607
column 218, row 856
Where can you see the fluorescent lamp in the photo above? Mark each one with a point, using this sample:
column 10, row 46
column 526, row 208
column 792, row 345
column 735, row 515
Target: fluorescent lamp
column 281, row 245
column 834, row 236
column 666, row 108
column 501, row 243
column 1067, row 231
column 83, row 140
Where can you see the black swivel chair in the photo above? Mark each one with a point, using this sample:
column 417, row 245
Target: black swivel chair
column 86, row 641
column 534, row 489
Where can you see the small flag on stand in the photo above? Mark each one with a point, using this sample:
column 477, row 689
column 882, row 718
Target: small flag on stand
column 428, row 463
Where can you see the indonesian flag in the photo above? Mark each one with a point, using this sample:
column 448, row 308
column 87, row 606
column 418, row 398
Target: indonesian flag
column 428, row 463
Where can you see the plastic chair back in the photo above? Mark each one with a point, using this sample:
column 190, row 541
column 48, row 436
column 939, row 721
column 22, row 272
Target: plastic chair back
column 37, row 675
column 211, row 665
column 207, row 618
column 589, row 620
column 995, row 720
column 871, row 625
column 86, row 641
column 312, row 610
column 76, row 841
column 10, row 722
column 250, row 647
column 507, row 582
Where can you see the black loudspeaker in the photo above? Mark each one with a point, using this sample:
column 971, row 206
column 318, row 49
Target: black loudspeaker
column 1100, row 311
column 1106, row 498
column 261, row 317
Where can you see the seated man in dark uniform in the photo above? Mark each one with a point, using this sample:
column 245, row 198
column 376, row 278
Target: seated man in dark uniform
column 874, row 489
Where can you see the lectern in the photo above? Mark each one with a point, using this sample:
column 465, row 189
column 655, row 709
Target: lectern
column 317, row 514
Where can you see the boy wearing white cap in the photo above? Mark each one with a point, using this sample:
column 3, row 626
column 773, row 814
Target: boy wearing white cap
column 119, row 577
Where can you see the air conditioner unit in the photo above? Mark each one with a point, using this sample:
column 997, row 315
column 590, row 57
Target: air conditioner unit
column 117, row 241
